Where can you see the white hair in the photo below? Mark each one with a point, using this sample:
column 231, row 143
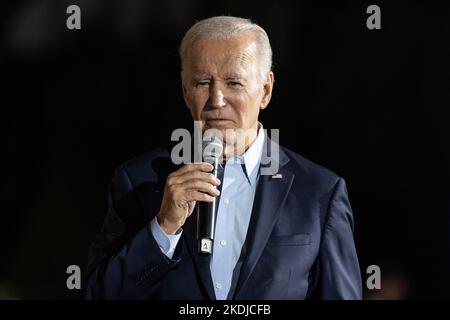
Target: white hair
column 224, row 27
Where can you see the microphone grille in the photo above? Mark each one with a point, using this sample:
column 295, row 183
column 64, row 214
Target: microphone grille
column 212, row 148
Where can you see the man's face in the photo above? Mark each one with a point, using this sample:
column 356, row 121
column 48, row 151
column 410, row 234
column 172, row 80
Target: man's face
column 222, row 86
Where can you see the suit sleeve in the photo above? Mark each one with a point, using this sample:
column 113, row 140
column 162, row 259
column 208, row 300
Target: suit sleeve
column 123, row 265
column 339, row 275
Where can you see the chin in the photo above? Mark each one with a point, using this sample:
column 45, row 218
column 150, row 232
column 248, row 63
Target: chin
column 223, row 132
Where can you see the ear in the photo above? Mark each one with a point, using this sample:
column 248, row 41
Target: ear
column 267, row 90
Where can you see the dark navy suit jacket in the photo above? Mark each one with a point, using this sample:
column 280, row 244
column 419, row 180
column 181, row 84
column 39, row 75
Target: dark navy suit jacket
column 299, row 243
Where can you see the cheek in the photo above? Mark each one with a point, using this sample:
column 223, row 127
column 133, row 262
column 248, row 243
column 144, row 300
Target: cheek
column 196, row 101
column 239, row 105
column 247, row 103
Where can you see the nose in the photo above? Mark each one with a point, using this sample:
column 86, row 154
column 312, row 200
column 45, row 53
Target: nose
column 216, row 97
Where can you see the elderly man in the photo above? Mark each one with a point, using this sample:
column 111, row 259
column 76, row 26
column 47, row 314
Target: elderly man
column 283, row 236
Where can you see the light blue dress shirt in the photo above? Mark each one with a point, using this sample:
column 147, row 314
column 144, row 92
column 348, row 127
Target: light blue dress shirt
column 233, row 216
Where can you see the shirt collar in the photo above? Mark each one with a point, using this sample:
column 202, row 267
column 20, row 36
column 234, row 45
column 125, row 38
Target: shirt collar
column 251, row 159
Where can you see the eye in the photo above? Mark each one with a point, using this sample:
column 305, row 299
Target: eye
column 202, row 83
column 234, row 84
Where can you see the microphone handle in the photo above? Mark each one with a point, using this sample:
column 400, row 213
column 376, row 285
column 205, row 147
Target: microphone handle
column 206, row 221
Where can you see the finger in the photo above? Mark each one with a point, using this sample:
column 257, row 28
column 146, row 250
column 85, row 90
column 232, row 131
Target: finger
column 193, row 195
column 197, row 166
column 200, row 185
column 196, row 175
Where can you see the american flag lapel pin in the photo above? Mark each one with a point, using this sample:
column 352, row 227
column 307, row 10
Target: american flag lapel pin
column 277, row 176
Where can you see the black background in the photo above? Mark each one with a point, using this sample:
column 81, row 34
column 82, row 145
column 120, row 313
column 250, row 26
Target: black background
column 371, row 105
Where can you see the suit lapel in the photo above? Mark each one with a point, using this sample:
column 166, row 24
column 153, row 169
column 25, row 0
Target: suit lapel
column 201, row 263
column 270, row 195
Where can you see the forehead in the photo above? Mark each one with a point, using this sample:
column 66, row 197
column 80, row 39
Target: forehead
column 232, row 55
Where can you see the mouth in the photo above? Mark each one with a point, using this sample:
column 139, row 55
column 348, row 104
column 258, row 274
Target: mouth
column 217, row 120
column 218, row 123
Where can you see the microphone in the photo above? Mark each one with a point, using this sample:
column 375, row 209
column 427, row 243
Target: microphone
column 206, row 211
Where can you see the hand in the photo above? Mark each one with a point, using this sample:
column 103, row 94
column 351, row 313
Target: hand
column 193, row 182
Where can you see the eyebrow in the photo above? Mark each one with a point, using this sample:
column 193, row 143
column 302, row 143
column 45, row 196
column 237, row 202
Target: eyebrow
column 199, row 77
column 234, row 77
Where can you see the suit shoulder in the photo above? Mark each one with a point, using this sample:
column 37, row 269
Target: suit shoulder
column 148, row 166
column 314, row 173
